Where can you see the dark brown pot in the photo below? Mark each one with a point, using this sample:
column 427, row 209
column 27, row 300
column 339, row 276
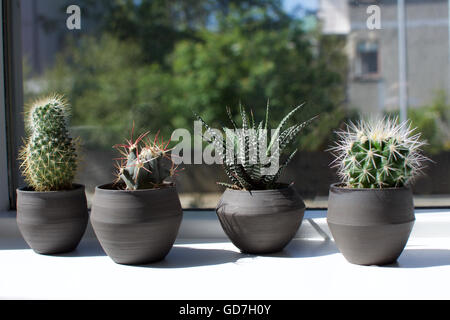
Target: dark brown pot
column 261, row 222
column 136, row 227
column 52, row 222
column 370, row 226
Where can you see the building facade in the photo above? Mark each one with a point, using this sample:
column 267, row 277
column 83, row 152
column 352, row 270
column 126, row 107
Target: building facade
column 375, row 73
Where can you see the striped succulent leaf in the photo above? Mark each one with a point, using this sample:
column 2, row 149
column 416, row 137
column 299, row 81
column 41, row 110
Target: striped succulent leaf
column 243, row 160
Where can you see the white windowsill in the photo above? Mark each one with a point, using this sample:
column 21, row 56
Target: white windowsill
column 204, row 265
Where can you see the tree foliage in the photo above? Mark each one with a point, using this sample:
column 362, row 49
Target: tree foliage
column 155, row 61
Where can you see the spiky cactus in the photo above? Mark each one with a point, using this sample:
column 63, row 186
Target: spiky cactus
column 380, row 153
column 145, row 164
column 245, row 159
column 49, row 159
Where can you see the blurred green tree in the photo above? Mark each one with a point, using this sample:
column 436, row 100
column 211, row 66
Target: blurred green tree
column 99, row 76
column 433, row 122
column 288, row 66
column 157, row 25
column 153, row 62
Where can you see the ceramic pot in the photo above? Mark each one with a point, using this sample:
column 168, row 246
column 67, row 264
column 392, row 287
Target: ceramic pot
column 262, row 221
column 370, row 226
column 136, row 227
column 52, row 222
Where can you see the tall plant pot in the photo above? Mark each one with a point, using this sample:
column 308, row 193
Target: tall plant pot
column 136, row 227
column 370, row 226
column 261, row 222
column 52, row 222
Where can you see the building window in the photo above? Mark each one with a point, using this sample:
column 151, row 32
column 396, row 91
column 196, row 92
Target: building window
column 367, row 64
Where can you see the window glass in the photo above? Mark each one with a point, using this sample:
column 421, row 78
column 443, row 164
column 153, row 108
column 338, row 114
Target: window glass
column 153, row 62
column 367, row 59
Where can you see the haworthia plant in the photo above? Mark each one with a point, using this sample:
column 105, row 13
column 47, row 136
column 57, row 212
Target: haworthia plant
column 145, row 164
column 243, row 150
column 49, row 159
column 380, row 153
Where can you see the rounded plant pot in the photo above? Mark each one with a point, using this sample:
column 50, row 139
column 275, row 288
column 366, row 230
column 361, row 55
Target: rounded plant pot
column 52, row 222
column 370, row 226
column 136, row 227
column 262, row 221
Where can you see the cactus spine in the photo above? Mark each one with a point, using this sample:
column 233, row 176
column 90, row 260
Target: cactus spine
column 49, row 159
column 145, row 164
column 378, row 154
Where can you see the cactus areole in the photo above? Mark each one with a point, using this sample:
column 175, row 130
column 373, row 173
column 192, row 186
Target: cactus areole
column 378, row 154
column 49, row 159
column 144, row 164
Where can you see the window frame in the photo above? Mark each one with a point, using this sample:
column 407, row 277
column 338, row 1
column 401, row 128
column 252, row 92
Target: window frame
column 11, row 107
column 358, row 73
column 4, row 180
column 12, row 102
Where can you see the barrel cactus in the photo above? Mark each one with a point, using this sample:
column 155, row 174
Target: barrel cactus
column 49, row 159
column 145, row 164
column 381, row 153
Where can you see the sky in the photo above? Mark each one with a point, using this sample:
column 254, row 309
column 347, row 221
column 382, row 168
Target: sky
column 291, row 5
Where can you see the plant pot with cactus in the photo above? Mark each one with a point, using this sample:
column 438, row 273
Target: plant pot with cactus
column 137, row 217
column 258, row 214
column 371, row 212
column 52, row 211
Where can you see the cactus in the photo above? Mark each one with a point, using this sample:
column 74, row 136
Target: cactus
column 49, row 159
column 381, row 153
column 245, row 168
column 145, row 164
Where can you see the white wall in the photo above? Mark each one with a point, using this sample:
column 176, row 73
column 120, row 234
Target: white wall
column 334, row 15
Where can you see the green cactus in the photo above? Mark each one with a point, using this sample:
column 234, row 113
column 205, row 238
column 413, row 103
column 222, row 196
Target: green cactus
column 378, row 154
column 147, row 166
column 244, row 167
column 49, row 159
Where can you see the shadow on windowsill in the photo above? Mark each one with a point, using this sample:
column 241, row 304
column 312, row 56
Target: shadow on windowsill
column 187, row 257
column 86, row 248
column 301, row 248
column 422, row 258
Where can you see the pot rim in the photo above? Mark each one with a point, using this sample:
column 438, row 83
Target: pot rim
column 285, row 187
column 337, row 186
column 76, row 187
column 103, row 188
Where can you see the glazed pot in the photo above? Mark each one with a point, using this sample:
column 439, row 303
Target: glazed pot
column 370, row 226
column 52, row 222
column 262, row 221
column 136, row 227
